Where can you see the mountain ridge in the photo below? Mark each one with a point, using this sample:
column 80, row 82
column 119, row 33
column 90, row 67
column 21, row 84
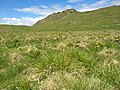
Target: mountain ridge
column 104, row 18
column 71, row 19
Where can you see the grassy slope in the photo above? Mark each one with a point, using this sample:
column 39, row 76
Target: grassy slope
column 106, row 18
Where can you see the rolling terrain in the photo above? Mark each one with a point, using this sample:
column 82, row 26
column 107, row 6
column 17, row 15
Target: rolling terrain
column 8, row 28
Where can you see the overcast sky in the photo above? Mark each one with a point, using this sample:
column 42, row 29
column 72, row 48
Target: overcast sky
column 27, row 12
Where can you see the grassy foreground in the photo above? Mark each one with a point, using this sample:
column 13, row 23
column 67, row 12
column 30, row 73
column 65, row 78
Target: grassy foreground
column 84, row 60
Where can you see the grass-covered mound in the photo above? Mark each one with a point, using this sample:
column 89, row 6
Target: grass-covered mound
column 101, row 19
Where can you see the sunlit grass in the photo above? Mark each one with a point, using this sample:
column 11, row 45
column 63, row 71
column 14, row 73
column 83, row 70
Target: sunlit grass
column 83, row 60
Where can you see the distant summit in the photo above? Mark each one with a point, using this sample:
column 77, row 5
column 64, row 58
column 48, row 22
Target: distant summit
column 57, row 16
column 66, row 12
column 70, row 10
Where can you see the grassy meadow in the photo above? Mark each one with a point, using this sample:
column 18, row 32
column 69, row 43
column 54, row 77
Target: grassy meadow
column 68, row 50
column 72, row 60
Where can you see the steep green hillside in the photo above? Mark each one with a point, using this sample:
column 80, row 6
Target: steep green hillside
column 102, row 19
